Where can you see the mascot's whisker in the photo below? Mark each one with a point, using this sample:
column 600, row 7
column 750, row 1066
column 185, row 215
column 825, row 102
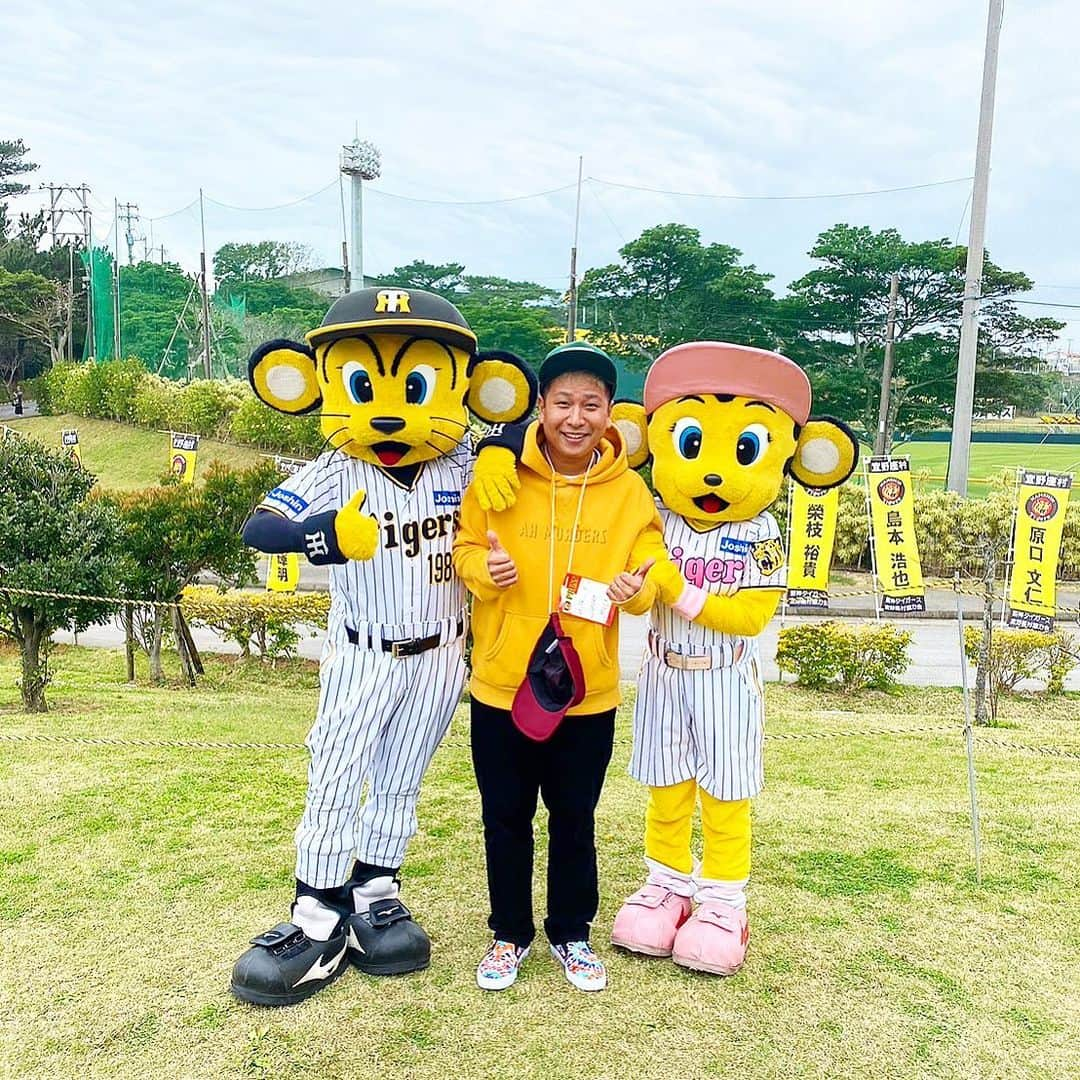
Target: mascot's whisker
column 450, row 420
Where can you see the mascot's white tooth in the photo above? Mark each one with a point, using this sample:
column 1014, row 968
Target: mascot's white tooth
column 285, row 382
column 820, row 456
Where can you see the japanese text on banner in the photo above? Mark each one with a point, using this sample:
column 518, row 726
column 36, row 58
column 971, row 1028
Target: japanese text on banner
column 283, row 572
column 69, row 442
column 892, row 528
column 1042, row 499
column 185, row 449
column 811, row 534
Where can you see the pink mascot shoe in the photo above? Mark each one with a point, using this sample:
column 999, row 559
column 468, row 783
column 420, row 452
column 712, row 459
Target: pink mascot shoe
column 649, row 920
column 713, row 939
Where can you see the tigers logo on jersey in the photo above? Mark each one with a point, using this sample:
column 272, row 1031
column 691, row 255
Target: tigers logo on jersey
column 769, row 555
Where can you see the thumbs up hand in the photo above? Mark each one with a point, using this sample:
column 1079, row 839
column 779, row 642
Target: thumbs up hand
column 357, row 533
column 500, row 566
column 629, row 584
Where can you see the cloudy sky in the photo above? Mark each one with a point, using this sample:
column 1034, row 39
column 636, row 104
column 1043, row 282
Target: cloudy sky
column 473, row 102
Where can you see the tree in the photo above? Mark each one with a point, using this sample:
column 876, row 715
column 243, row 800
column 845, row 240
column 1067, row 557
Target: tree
column 837, row 315
column 528, row 332
column 13, row 162
column 175, row 531
column 54, row 537
column 444, row 278
column 669, row 288
column 236, row 264
column 35, row 308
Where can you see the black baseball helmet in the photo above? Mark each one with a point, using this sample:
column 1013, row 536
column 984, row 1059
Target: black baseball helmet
column 395, row 310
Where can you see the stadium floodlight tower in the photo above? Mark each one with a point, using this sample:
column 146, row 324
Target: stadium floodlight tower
column 360, row 161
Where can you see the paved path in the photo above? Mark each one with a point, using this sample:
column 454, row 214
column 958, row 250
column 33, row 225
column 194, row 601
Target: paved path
column 934, row 649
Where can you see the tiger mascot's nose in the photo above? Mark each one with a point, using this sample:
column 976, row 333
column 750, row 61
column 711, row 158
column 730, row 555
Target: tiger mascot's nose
column 387, row 424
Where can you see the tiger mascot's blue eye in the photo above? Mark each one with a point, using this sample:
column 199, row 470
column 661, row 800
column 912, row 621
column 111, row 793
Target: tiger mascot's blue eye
column 357, row 382
column 420, row 385
column 687, row 438
column 752, row 443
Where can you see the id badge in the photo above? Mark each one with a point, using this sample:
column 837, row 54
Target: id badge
column 586, row 599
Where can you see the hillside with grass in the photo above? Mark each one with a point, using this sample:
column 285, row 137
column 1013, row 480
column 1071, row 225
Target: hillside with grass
column 124, row 457
column 134, row 870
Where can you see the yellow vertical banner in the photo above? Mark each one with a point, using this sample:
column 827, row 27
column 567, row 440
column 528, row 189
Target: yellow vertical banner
column 811, row 534
column 69, row 443
column 283, row 572
column 892, row 534
column 1041, row 501
column 182, row 454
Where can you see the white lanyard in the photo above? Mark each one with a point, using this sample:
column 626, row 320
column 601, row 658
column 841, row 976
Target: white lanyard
column 573, row 534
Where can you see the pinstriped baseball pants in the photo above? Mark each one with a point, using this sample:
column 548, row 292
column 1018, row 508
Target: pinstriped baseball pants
column 379, row 723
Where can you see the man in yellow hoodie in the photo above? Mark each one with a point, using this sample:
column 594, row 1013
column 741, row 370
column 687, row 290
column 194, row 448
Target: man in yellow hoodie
column 583, row 523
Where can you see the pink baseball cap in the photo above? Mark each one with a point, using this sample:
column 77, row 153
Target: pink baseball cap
column 715, row 367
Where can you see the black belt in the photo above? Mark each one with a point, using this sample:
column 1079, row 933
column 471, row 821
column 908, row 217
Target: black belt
column 407, row 647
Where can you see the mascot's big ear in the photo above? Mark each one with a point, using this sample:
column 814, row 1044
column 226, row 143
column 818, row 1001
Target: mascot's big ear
column 629, row 418
column 826, row 454
column 282, row 374
column 502, row 388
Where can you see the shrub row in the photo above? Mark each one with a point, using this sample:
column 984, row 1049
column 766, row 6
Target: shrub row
column 222, row 409
column 947, row 526
column 1016, row 655
column 263, row 624
column 849, row 658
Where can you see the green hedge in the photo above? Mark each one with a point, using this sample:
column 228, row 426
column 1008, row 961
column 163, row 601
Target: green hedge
column 947, row 526
column 221, row 409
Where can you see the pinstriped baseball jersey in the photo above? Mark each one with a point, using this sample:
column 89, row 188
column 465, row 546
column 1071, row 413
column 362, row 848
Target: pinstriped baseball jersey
column 707, row 725
column 749, row 553
column 410, row 581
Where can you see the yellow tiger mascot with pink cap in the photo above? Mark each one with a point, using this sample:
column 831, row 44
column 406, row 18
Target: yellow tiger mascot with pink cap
column 724, row 424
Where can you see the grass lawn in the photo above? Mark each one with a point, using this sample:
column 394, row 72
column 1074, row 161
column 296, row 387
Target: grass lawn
column 132, row 876
column 123, row 456
column 989, row 459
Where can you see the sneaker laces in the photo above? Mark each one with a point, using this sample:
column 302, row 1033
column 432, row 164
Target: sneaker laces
column 500, row 959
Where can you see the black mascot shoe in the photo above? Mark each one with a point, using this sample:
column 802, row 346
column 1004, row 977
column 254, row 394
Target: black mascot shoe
column 384, row 940
column 285, row 966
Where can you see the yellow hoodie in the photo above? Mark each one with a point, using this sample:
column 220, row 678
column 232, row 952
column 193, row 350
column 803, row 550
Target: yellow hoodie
column 619, row 528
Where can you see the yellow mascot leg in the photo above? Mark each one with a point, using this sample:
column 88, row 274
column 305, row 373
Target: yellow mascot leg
column 726, row 829
column 669, row 819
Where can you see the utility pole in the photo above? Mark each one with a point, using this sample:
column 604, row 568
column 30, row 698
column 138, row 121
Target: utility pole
column 116, row 279
column 883, row 443
column 960, row 445
column 61, row 197
column 205, row 292
column 571, row 317
column 360, row 161
column 130, row 212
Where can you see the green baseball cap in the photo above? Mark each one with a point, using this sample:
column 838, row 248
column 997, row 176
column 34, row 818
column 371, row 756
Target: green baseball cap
column 578, row 356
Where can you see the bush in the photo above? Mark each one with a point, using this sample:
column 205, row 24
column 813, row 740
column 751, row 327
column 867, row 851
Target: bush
column 155, row 403
column 120, row 382
column 854, row 658
column 257, row 424
column 265, row 621
column 206, row 407
column 1016, row 655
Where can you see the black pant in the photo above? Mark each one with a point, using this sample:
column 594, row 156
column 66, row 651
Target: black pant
column 568, row 770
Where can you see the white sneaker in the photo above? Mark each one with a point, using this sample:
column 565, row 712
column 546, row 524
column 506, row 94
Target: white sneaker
column 500, row 966
column 584, row 969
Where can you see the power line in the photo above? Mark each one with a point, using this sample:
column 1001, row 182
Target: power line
column 474, row 202
column 782, row 198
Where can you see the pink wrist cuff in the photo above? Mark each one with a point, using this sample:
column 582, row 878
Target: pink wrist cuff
column 691, row 601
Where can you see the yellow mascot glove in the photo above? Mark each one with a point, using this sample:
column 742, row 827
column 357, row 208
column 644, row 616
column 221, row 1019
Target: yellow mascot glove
column 669, row 582
column 357, row 533
column 495, row 479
